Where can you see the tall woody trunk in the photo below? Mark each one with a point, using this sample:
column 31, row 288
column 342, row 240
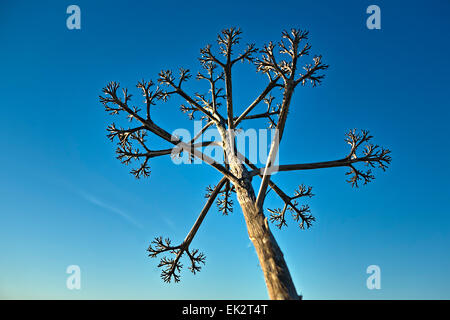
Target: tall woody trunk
column 276, row 273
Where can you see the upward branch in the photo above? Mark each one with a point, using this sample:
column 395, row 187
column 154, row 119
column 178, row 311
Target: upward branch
column 172, row 266
column 227, row 40
column 286, row 69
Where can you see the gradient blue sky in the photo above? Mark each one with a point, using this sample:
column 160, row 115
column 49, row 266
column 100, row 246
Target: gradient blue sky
column 65, row 199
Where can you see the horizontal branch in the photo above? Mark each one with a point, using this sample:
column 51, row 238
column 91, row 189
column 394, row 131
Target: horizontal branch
column 345, row 162
column 163, row 152
column 371, row 155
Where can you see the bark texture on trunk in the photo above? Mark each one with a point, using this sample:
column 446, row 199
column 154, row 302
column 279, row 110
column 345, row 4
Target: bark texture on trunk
column 276, row 273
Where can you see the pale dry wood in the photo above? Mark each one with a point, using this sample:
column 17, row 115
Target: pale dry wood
column 237, row 171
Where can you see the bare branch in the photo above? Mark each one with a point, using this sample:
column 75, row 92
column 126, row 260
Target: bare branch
column 110, row 92
column 150, row 96
column 166, row 77
column 122, row 106
column 206, row 56
column 260, row 98
column 310, row 72
column 247, row 55
column 200, row 133
column 278, row 215
column 287, row 71
column 287, row 68
column 224, row 203
column 172, row 266
column 262, row 115
column 268, row 62
column 291, row 204
column 302, row 214
column 284, row 109
column 215, row 92
column 372, row 156
column 226, row 40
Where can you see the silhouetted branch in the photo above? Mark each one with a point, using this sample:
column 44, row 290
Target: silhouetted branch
column 200, row 133
column 272, row 84
column 247, row 55
column 287, row 69
column 115, row 105
column 298, row 213
column 166, row 77
column 372, row 156
column 268, row 62
column 262, row 115
column 172, row 266
column 226, row 40
column 150, row 96
column 206, row 56
column 224, row 203
column 216, row 93
column 310, row 72
column 278, row 215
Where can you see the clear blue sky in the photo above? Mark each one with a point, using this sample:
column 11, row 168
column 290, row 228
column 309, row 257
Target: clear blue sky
column 65, row 199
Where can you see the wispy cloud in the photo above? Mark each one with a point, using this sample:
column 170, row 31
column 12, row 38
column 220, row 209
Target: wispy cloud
column 92, row 199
